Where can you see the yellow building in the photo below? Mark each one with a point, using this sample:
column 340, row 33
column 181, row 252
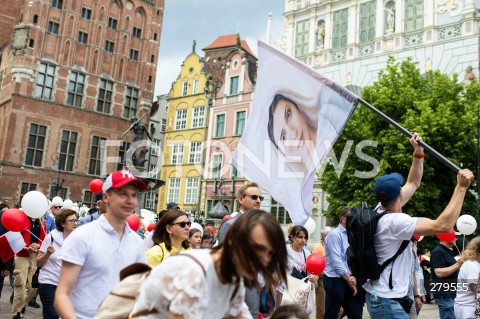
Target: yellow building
column 184, row 135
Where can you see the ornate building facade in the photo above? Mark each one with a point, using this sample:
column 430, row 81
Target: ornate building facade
column 72, row 75
column 350, row 41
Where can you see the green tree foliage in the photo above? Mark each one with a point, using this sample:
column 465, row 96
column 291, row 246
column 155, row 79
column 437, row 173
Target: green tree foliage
column 440, row 108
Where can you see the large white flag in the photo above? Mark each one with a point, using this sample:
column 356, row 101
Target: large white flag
column 296, row 117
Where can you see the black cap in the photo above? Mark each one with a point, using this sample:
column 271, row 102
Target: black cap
column 172, row 205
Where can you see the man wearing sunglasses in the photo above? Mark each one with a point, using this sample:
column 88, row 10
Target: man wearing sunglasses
column 249, row 197
column 94, row 254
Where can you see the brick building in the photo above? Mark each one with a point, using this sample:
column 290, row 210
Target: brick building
column 72, row 74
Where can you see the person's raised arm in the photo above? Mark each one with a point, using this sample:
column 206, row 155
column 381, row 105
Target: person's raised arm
column 416, row 170
column 449, row 216
column 68, row 278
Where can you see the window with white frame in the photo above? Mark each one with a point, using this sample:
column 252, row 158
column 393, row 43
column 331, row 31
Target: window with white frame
column 195, row 86
column 234, row 85
column 368, row 13
column 184, row 88
column 173, row 190
column 236, row 173
column 177, row 153
column 151, row 199
column 181, row 122
column 217, row 165
column 340, row 28
column 220, row 125
column 302, row 30
column 155, row 149
column 68, row 147
column 36, row 145
column 45, row 80
column 280, row 213
column 163, row 128
column 75, row 89
column 198, row 116
column 153, row 170
column 195, row 152
column 414, row 15
column 191, row 191
column 240, row 122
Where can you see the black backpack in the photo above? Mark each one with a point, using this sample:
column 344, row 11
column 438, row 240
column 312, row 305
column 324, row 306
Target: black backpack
column 361, row 256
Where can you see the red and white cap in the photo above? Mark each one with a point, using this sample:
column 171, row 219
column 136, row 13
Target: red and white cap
column 121, row 178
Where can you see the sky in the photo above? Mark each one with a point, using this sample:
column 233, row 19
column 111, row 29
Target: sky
column 204, row 21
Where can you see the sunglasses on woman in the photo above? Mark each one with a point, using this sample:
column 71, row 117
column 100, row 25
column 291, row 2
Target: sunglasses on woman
column 183, row 224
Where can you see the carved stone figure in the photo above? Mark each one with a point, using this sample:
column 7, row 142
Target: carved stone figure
column 390, row 19
column 321, row 35
column 469, row 76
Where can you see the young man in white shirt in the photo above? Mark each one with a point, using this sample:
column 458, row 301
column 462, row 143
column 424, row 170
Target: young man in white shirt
column 386, row 295
column 94, row 254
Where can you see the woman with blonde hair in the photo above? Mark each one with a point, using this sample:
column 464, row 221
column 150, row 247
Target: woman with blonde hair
column 170, row 237
column 467, row 281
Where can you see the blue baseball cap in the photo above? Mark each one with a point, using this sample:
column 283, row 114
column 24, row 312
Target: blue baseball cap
column 387, row 187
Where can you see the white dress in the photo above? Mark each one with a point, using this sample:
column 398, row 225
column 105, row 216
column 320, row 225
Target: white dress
column 179, row 285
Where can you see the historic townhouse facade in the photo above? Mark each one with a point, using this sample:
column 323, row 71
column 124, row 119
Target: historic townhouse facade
column 184, row 136
column 72, row 75
column 227, row 119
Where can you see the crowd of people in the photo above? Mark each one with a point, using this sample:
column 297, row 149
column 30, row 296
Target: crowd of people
column 242, row 268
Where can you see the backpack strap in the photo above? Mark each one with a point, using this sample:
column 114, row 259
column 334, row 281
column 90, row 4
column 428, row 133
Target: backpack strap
column 391, row 260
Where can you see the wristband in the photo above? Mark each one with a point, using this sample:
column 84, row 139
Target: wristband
column 419, row 156
column 417, row 296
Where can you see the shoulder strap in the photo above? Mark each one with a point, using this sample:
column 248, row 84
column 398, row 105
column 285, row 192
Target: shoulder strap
column 163, row 252
column 392, row 259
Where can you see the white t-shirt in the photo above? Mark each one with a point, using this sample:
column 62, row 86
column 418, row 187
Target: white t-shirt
column 51, row 269
column 392, row 229
column 97, row 248
column 468, row 274
column 295, row 259
column 180, row 285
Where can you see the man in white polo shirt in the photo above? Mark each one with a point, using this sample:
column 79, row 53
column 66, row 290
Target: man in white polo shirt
column 94, row 254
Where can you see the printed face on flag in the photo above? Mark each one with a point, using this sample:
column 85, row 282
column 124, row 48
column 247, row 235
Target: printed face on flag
column 295, row 119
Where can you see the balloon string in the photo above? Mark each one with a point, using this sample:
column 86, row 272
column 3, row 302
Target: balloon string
column 458, row 249
column 32, row 234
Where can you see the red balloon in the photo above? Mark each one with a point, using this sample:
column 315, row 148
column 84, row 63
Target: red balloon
column 211, row 229
column 416, row 238
column 447, row 237
column 14, row 220
column 316, row 263
column 96, row 186
column 134, row 222
column 151, row 227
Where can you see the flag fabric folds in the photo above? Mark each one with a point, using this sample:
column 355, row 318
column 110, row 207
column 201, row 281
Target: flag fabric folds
column 10, row 244
column 296, row 117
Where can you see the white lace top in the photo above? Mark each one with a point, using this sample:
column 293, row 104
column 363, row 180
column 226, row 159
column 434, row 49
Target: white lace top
column 178, row 285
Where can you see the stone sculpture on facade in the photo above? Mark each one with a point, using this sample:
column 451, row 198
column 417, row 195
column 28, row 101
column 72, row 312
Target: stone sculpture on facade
column 390, row 19
column 320, row 35
column 469, row 76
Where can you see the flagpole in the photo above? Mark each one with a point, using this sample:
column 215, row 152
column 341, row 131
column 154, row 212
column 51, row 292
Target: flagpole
column 427, row 147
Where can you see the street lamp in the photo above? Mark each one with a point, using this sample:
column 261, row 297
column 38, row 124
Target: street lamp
column 57, row 182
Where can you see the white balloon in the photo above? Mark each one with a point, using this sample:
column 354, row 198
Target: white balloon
column 197, row 226
column 310, row 226
column 67, row 204
column 35, row 204
column 466, row 224
column 75, row 207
